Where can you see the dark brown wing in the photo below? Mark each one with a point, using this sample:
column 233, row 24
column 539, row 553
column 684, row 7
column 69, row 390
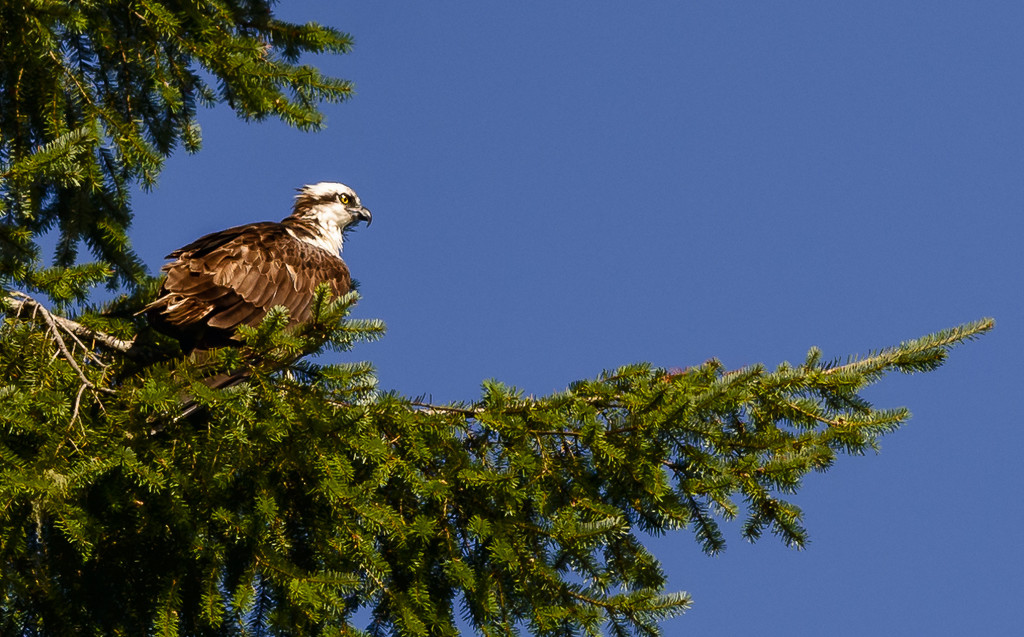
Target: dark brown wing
column 233, row 277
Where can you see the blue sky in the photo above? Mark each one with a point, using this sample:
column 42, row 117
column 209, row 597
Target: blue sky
column 561, row 188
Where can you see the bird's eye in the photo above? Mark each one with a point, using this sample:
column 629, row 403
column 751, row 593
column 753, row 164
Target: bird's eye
column 344, row 198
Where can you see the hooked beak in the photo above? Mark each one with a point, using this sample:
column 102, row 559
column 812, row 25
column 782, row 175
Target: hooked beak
column 363, row 214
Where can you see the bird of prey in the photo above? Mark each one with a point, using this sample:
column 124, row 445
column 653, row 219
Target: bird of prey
column 233, row 277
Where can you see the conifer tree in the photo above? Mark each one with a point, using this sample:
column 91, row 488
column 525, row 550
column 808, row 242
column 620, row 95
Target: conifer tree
column 286, row 505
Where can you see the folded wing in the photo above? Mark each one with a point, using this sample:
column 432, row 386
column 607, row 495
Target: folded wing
column 233, row 277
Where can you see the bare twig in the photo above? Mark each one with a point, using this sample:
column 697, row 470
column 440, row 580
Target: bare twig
column 19, row 301
column 54, row 323
column 88, row 350
column 63, row 346
column 428, row 408
column 78, row 403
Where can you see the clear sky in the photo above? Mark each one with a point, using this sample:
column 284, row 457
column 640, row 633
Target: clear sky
column 564, row 187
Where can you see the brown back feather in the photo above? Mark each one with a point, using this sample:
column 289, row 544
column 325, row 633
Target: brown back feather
column 233, row 277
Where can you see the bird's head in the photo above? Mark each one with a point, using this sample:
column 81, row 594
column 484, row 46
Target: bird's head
column 330, row 204
column 330, row 207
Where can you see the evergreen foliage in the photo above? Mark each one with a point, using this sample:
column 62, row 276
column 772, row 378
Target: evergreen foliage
column 290, row 503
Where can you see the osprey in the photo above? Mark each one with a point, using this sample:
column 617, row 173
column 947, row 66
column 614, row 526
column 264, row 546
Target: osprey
column 233, row 277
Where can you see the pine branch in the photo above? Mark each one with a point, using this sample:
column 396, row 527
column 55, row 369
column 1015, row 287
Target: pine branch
column 922, row 354
column 527, row 509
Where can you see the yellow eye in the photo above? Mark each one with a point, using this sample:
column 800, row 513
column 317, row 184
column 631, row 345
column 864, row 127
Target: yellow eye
column 345, row 199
